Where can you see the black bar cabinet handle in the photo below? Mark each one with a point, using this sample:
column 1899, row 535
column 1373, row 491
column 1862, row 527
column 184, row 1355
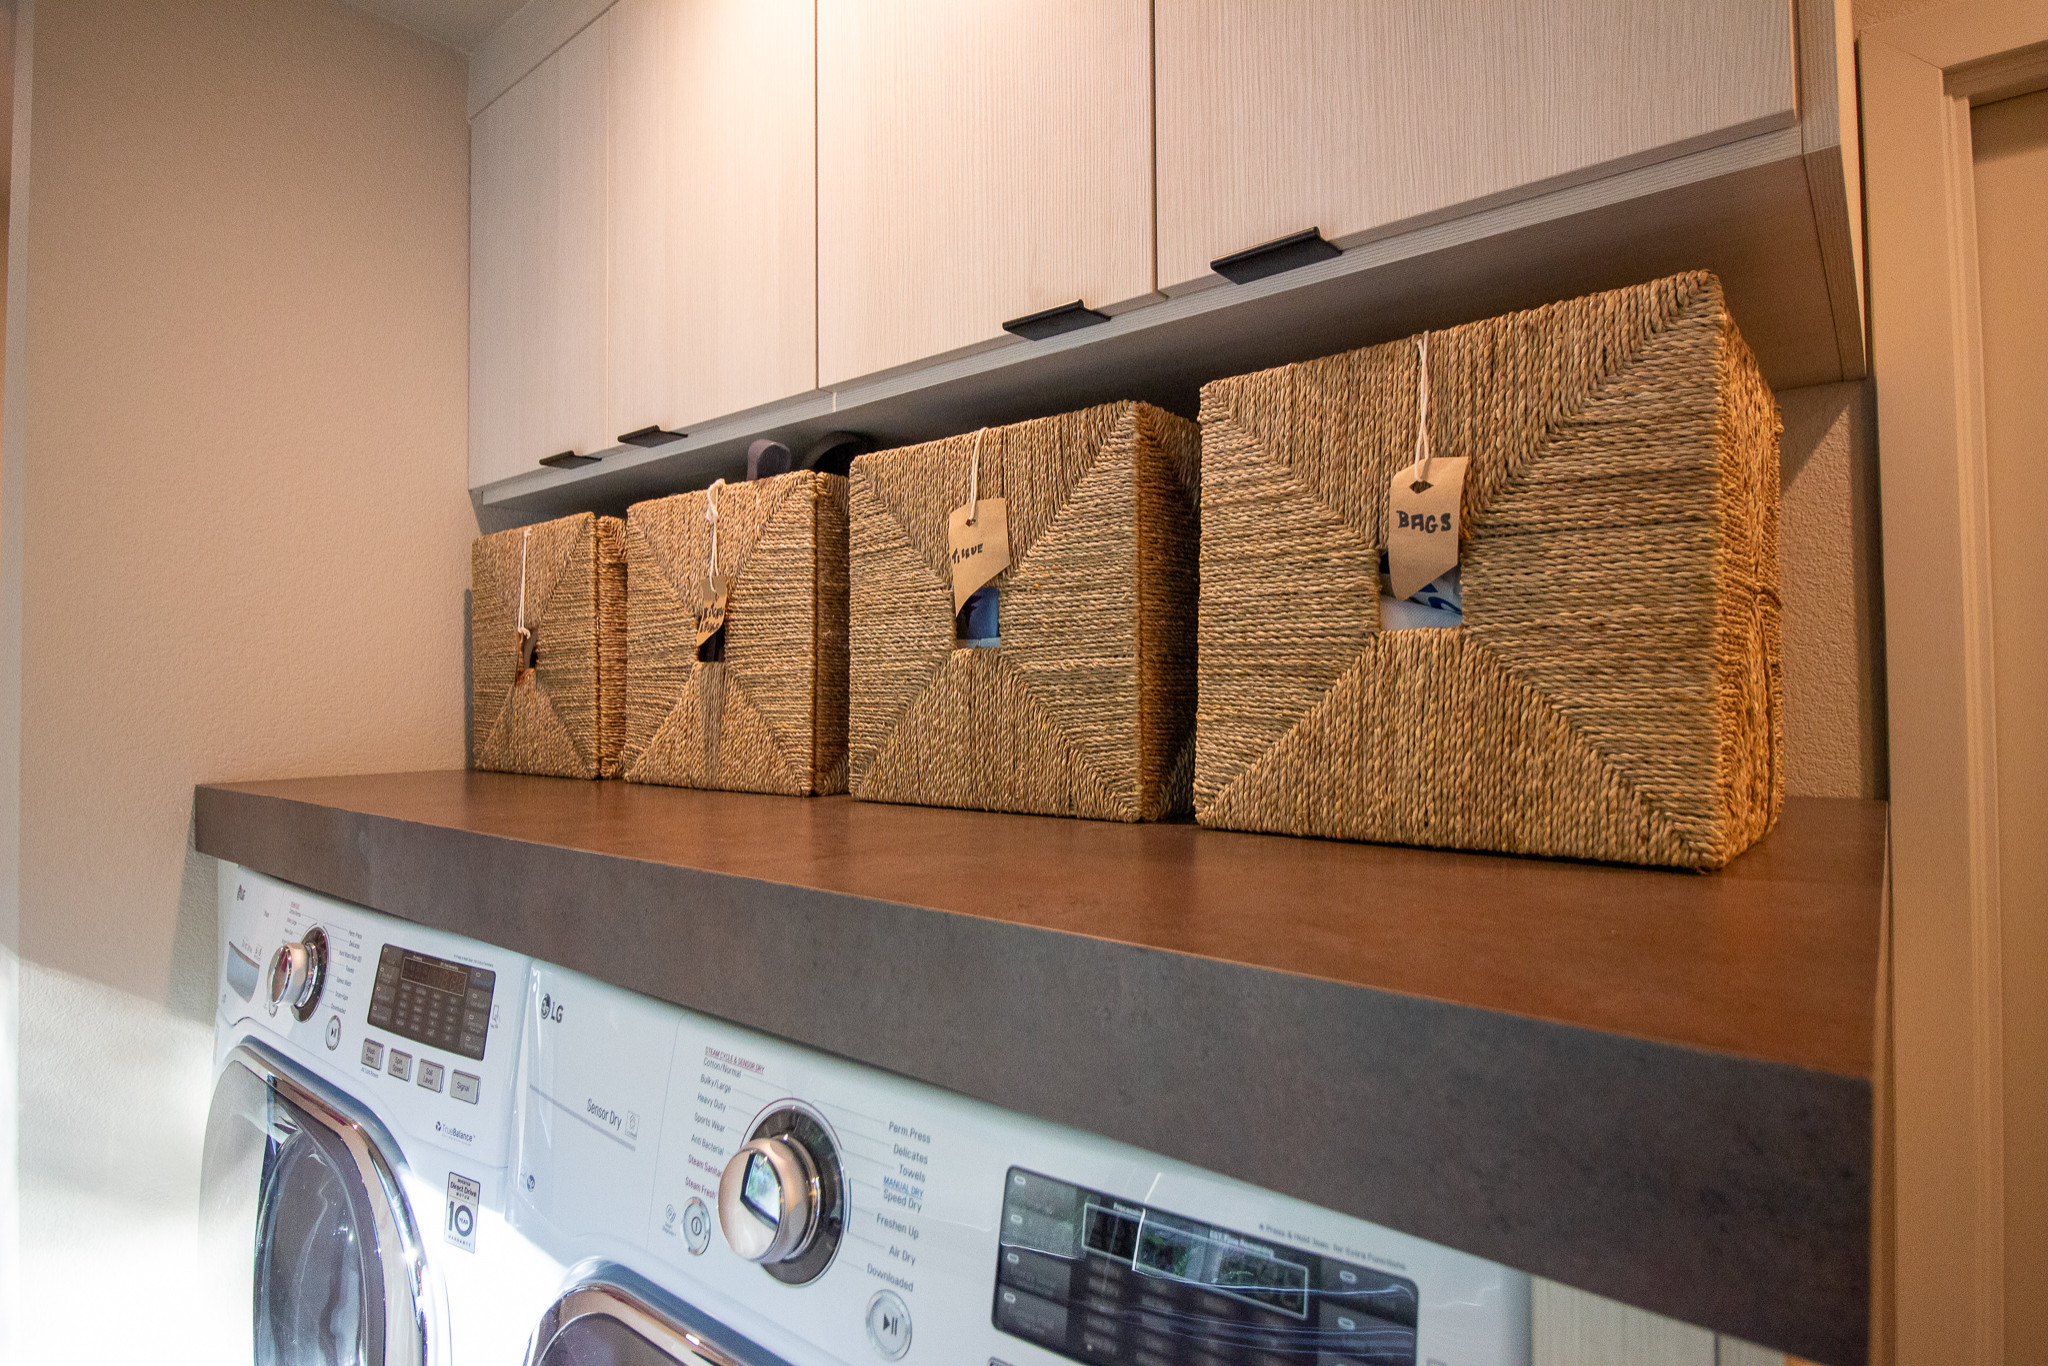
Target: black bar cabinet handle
column 1052, row 322
column 650, row 436
column 1297, row 249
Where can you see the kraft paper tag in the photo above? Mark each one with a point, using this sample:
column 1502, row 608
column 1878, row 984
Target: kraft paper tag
column 711, row 621
column 979, row 552
column 1422, row 524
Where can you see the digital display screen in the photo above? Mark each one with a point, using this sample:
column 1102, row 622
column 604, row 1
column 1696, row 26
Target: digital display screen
column 762, row 1191
column 433, row 972
column 1112, row 1232
column 1265, row 1279
column 1215, row 1261
column 433, row 1001
column 1102, row 1280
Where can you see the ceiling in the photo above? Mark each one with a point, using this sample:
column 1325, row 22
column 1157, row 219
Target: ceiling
column 460, row 24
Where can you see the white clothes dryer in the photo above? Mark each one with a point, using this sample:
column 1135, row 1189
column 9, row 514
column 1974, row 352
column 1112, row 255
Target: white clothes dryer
column 718, row 1195
column 353, row 1183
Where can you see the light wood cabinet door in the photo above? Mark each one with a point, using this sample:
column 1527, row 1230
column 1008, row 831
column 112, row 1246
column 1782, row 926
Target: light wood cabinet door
column 536, row 296
column 977, row 162
column 713, row 227
column 1354, row 118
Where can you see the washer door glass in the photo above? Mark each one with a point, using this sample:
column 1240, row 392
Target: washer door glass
column 310, row 1254
column 319, row 1280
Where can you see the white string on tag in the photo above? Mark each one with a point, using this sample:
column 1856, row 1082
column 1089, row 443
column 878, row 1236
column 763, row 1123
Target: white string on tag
column 524, row 537
column 974, row 479
column 711, row 516
column 1422, row 452
column 1425, row 502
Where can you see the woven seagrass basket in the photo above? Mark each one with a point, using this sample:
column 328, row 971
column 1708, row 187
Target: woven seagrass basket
column 1086, row 708
column 767, row 712
column 557, row 713
column 1613, row 692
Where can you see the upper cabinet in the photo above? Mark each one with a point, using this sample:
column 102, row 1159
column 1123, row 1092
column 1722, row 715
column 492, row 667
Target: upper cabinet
column 537, row 295
column 1356, row 118
column 977, row 162
column 713, row 218
column 693, row 216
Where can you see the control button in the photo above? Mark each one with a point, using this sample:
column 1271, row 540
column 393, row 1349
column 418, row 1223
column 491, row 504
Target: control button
column 888, row 1325
column 1027, row 1316
column 373, row 1054
column 696, row 1227
column 401, row 1065
column 430, row 1075
column 482, row 977
column 479, row 998
column 464, row 1087
column 333, row 1032
column 1041, row 1275
column 471, row 1045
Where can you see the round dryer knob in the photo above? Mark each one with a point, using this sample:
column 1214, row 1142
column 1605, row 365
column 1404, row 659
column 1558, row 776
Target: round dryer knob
column 768, row 1199
column 297, row 972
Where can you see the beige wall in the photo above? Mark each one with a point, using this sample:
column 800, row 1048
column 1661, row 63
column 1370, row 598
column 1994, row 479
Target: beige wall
column 241, row 479
column 1831, row 582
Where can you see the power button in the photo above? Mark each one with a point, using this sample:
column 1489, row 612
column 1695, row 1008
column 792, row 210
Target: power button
column 888, row 1325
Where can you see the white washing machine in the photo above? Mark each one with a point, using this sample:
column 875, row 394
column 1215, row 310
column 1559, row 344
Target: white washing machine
column 714, row 1194
column 353, row 1187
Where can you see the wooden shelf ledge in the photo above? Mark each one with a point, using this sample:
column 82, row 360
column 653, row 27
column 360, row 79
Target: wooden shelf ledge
column 1657, row 1086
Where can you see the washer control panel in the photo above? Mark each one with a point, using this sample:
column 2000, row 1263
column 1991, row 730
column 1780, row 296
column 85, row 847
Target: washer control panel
column 406, row 1018
column 434, row 1001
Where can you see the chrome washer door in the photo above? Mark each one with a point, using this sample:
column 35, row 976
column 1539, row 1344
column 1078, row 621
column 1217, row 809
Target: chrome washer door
column 308, row 1239
column 614, row 1318
column 319, row 1285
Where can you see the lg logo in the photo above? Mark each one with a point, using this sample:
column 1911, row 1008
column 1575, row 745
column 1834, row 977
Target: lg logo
column 550, row 1009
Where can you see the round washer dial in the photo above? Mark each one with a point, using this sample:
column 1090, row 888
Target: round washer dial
column 297, row 973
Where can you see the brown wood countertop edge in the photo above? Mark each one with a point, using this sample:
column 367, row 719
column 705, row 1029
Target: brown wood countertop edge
column 1853, row 1063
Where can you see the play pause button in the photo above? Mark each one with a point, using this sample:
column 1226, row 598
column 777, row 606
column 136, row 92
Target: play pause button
column 888, row 1325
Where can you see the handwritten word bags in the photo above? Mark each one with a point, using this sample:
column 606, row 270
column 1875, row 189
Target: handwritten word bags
column 1612, row 690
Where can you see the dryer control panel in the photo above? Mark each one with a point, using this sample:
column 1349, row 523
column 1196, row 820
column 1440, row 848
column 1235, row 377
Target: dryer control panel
column 411, row 1020
column 833, row 1213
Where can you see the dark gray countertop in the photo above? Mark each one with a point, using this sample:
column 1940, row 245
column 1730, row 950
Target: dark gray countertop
column 1655, row 1086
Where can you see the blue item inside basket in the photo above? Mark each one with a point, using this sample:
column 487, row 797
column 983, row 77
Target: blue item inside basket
column 977, row 627
column 1441, row 603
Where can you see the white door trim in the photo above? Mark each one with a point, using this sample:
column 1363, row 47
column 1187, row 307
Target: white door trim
column 1920, row 75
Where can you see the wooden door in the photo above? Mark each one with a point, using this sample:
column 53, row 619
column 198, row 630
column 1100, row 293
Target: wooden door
column 1352, row 118
column 977, row 162
column 713, row 248
column 536, row 297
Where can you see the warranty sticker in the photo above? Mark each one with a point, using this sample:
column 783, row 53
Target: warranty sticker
column 464, row 1195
